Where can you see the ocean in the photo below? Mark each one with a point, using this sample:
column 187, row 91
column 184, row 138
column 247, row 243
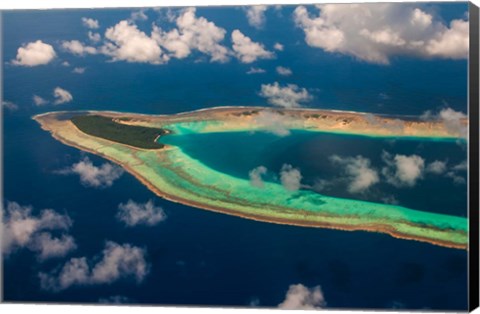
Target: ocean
column 203, row 258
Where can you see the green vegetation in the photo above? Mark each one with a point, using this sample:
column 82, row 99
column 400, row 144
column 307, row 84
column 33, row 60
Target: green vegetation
column 104, row 127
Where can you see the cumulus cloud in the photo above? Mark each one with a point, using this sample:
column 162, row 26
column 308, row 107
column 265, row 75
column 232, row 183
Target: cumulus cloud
column 133, row 213
column 128, row 43
column 139, row 16
column 93, row 176
column 290, row 177
column 114, row 263
column 283, row 71
column 289, row 96
column 402, row 170
column 255, row 176
column 390, row 199
column 300, row 297
column 248, row 51
column 9, row 105
column 34, row 53
column 322, row 185
column 61, row 96
column 380, row 31
column 78, row 70
column 77, row 48
column 39, row 101
column 272, row 122
column 454, row 173
column 192, row 33
column 278, row 46
column 94, row 37
column 439, row 167
column 463, row 166
column 457, row 179
column 48, row 247
column 256, row 15
column 436, row 167
column 359, row 171
column 22, row 229
column 451, row 42
column 254, row 70
column 90, row 23
column 454, row 121
column 395, row 125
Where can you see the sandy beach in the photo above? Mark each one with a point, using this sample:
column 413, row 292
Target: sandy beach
column 228, row 119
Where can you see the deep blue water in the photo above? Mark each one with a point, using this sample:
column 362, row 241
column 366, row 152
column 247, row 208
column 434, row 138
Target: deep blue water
column 203, row 258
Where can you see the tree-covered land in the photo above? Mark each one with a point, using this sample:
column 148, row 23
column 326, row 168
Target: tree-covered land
column 104, row 127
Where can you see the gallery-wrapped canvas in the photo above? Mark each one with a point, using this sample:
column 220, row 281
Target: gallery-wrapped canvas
column 293, row 156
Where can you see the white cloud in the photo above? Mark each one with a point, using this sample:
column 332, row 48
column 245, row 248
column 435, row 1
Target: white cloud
column 290, row 177
column 390, row 199
column 128, row 43
column 453, row 173
column 116, row 262
column 283, row 71
column 440, row 168
column 21, row 229
column 65, row 63
column 299, row 297
column 278, row 46
column 39, row 101
column 90, row 23
column 78, row 70
column 359, row 171
column 255, row 176
column 92, row 176
column 94, row 37
column 133, row 213
column 382, row 30
column 402, row 170
column 457, row 179
column 34, row 53
column 50, row 247
column 256, row 15
column 451, row 42
column 178, row 45
column 192, row 33
column 61, row 96
column 289, row 96
column 272, row 122
column 77, row 48
column 463, row 166
column 436, row 167
column 246, row 50
column 322, row 185
column 139, row 15
column 454, row 121
column 254, row 70
column 9, row 105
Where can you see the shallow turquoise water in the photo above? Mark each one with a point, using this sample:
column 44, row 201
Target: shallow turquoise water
column 236, row 153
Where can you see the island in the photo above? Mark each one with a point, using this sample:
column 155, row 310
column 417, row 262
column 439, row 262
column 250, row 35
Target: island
column 133, row 141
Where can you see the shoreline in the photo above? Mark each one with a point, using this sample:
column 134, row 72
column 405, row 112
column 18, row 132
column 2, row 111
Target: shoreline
column 235, row 119
column 258, row 218
column 235, row 108
column 381, row 228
